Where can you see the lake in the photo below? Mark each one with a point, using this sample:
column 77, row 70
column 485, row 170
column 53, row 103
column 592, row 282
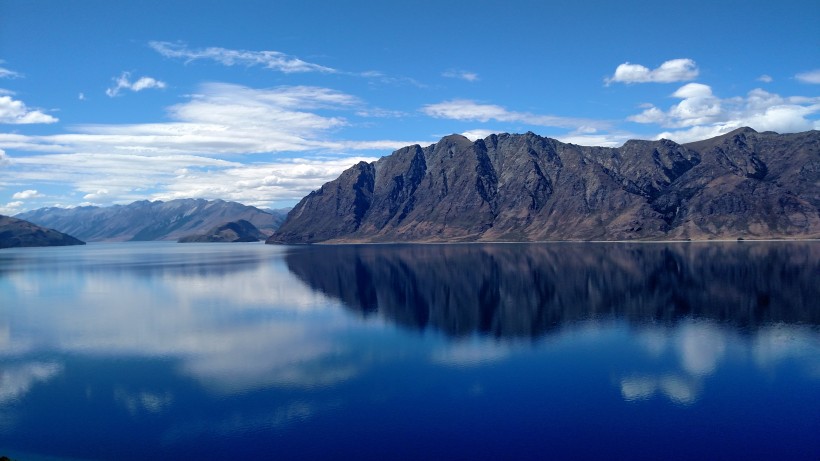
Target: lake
column 136, row 351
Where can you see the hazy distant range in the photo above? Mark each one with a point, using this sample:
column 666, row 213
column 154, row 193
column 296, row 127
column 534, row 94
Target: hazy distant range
column 145, row 220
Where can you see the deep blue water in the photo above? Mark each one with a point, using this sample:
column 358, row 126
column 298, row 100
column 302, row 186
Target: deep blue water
column 499, row 351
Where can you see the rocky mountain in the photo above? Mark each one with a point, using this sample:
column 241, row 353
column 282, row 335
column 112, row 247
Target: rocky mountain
column 146, row 220
column 235, row 231
column 522, row 290
column 526, row 187
column 19, row 233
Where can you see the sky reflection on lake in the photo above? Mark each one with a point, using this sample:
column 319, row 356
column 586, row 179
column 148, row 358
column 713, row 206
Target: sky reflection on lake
column 120, row 351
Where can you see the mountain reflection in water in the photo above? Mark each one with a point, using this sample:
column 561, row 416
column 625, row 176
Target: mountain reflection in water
column 521, row 290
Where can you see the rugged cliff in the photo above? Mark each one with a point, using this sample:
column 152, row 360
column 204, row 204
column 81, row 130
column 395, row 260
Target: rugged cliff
column 529, row 188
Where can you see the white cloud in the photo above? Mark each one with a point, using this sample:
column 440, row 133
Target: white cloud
column 468, row 110
column 812, row 76
column 101, row 193
column 175, row 159
column 11, row 208
column 702, row 115
column 675, row 70
column 274, row 60
column 4, row 159
column 474, row 135
column 765, row 78
column 81, row 96
column 604, row 139
column 259, row 184
column 221, row 119
column 15, row 112
column 123, row 82
column 461, row 74
column 26, row 194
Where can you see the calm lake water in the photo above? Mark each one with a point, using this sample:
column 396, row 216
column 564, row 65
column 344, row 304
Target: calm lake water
column 499, row 351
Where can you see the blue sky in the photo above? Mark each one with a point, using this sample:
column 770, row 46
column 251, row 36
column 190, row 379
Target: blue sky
column 261, row 102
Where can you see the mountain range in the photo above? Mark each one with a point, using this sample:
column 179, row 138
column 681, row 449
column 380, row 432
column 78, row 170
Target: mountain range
column 19, row 233
column 144, row 220
column 524, row 187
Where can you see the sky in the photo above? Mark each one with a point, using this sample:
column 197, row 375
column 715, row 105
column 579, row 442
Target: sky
column 261, row 102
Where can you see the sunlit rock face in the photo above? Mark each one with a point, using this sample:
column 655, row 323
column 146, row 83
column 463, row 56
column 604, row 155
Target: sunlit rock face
column 529, row 188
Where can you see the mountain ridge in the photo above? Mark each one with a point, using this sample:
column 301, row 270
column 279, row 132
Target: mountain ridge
column 146, row 220
column 524, row 187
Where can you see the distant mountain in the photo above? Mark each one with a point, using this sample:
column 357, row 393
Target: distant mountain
column 19, row 233
column 146, row 220
column 236, row 231
column 526, row 187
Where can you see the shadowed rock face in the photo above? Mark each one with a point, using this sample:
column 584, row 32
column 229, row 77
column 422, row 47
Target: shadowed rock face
column 19, row 233
column 529, row 188
column 527, row 290
column 144, row 220
column 236, row 231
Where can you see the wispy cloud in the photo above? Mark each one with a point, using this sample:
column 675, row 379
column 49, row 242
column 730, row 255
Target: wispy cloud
column 812, row 76
column 461, row 74
column 8, row 73
column 468, row 110
column 765, row 78
column 274, row 60
column 186, row 156
column 15, row 112
column 123, row 82
column 701, row 114
column 674, row 70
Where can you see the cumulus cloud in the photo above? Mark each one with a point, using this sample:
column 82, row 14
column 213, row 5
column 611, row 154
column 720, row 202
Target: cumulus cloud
column 274, row 60
column 123, row 82
column 701, row 114
column 765, row 78
column 15, row 112
column 461, row 74
column 26, row 194
column 4, row 159
column 812, row 76
column 674, row 70
column 468, row 110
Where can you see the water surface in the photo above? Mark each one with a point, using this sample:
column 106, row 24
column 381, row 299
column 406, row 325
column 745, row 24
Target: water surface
column 530, row 351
